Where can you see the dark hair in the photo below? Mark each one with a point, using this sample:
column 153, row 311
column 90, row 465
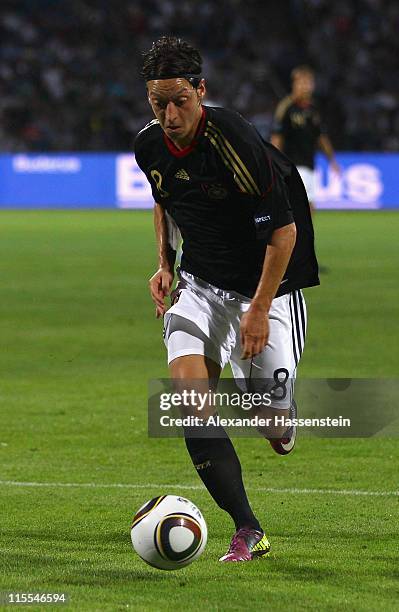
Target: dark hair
column 302, row 69
column 171, row 57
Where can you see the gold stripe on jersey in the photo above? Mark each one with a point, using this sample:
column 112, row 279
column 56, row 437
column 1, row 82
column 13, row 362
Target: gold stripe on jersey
column 228, row 165
column 245, row 170
column 282, row 107
column 231, row 153
column 232, row 160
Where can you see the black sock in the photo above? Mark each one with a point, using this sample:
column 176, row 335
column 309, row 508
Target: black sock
column 220, row 470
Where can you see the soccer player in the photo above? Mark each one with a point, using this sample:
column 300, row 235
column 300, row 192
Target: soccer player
column 244, row 217
column 298, row 130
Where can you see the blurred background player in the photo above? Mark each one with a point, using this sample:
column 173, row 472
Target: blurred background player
column 298, row 130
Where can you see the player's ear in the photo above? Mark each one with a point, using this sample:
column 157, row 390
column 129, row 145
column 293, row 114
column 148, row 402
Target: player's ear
column 201, row 89
column 148, row 93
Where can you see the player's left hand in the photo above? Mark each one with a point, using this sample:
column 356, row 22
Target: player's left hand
column 159, row 285
column 254, row 329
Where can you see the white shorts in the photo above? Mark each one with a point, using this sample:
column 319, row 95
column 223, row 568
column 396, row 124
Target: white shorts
column 206, row 321
column 308, row 178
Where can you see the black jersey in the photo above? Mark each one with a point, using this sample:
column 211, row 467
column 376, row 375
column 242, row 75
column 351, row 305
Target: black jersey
column 300, row 126
column 227, row 192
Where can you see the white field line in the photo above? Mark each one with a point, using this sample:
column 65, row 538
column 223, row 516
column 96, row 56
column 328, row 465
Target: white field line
column 163, row 487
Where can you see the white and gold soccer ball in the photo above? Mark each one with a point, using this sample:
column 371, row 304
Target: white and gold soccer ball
column 169, row 532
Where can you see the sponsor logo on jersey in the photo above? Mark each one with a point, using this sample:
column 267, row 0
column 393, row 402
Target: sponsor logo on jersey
column 262, row 219
column 182, row 174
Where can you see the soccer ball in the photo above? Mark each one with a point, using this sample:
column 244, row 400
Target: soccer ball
column 169, row 532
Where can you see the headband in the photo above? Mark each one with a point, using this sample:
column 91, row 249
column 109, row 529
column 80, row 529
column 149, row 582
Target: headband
column 194, row 79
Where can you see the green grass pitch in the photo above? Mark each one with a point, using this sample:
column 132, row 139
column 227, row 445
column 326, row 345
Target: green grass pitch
column 79, row 343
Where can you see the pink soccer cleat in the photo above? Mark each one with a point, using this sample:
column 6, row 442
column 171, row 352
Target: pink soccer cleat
column 286, row 444
column 247, row 544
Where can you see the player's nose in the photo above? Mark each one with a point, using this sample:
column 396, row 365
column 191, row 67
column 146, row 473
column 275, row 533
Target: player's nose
column 171, row 113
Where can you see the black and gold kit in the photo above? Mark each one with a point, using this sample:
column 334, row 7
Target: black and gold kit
column 227, row 192
column 301, row 127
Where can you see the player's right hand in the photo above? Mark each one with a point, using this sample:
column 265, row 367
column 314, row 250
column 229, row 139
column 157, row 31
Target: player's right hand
column 160, row 284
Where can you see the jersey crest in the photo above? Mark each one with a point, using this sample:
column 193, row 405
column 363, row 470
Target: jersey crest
column 215, row 192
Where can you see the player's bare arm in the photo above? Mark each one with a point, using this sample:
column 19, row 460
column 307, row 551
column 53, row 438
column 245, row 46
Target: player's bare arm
column 254, row 323
column 161, row 282
column 326, row 147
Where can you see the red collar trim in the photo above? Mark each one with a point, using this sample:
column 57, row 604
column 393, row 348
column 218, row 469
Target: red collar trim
column 183, row 152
